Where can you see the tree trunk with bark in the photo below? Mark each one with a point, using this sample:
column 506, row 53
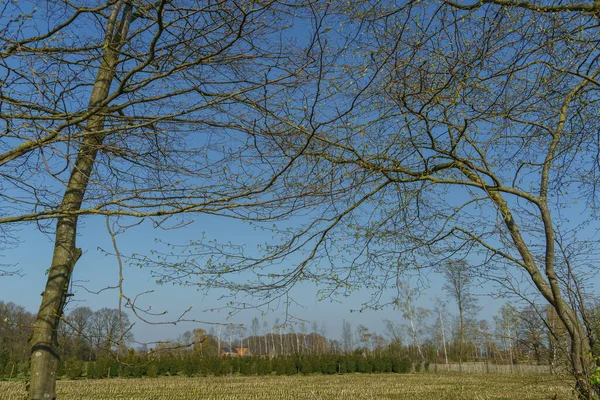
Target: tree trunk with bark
column 44, row 351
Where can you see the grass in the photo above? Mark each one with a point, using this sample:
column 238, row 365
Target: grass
column 325, row 387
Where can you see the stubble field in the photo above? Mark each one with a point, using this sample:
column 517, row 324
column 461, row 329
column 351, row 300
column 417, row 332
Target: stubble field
column 325, row 387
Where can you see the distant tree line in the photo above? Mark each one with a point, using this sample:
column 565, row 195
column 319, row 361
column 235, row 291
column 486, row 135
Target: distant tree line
column 84, row 335
column 92, row 345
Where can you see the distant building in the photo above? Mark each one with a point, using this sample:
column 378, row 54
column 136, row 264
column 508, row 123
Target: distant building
column 234, row 352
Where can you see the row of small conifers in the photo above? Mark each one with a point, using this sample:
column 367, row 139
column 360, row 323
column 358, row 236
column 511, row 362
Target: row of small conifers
column 197, row 365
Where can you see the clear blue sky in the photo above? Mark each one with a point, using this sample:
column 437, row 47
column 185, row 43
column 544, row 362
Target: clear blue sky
column 95, row 270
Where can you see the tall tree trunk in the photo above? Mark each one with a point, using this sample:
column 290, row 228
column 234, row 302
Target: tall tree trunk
column 415, row 335
column 281, row 341
column 266, row 345
column 304, row 346
column 443, row 336
column 44, row 344
column 219, row 338
column 273, row 347
column 461, row 323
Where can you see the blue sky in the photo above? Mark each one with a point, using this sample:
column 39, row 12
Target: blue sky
column 96, row 270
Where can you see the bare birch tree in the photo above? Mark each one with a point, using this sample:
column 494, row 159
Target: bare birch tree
column 459, row 282
column 440, row 310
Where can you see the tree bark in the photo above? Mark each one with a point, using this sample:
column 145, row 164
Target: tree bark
column 580, row 357
column 44, row 351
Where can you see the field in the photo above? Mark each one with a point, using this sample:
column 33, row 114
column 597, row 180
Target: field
column 325, row 387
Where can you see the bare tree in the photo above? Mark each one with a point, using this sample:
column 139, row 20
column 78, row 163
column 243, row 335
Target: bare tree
column 506, row 329
column 303, row 331
column 425, row 131
column 255, row 328
column 265, row 336
column 416, row 316
column 531, row 333
column 274, row 327
column 347, row 342
column 461, row 133
column 105, row 329
column 80, row 321
column 16, row 324
column 173, row 91
column 440, row 310
column 230, row 332
column 314, row 338
column 459, row 281
column 219, row 331
column 242, row 332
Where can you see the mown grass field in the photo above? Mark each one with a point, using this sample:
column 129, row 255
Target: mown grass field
column 326, row 387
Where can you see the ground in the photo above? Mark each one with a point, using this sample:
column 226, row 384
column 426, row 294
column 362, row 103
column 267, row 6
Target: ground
column 323, row 387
